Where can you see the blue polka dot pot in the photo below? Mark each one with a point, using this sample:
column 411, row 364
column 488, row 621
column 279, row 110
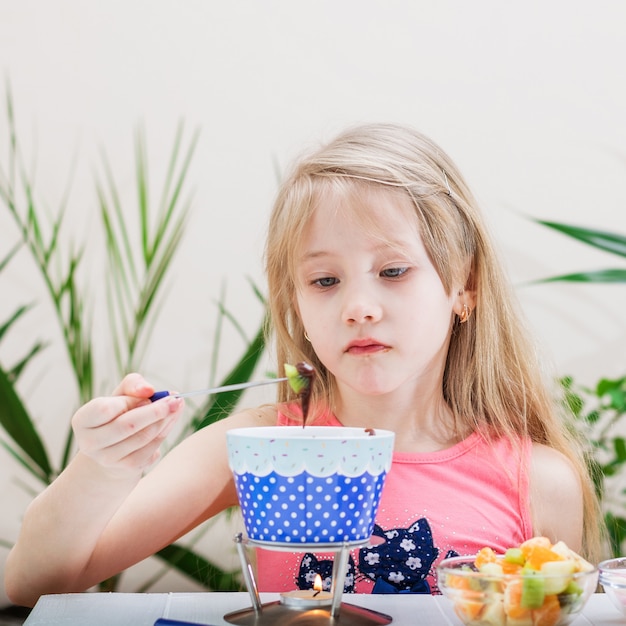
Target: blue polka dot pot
column 313, row 485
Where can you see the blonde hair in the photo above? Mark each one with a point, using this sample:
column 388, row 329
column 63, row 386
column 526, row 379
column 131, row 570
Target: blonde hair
column 492, row 382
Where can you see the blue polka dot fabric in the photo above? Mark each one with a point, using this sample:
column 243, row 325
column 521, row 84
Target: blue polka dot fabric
column 305, row 509
column 314, row 485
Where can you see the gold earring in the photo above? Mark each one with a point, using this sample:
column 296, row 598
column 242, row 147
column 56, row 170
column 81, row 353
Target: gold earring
column 306, row 336
column 465, row 314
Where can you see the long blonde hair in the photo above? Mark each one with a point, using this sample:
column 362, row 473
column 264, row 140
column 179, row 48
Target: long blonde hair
column 492, row 380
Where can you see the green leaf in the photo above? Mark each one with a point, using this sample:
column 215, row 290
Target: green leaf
column 13, row 318
column 5, row 544
column 44, row 248
column 603, row 240
column 619, row 447
column 10, row 254
column 606, row 385
column 611, row 242
column 18, row 425
column 26, row 462
column 18, row 368
column 199, row 569
column 138, row 268
column 599, row 276
column 573, row 401
column 616, row 528
column 223, row 404
column 592, row 417
column 116, row 216
column 169, row 197
column 141, row 168
column 614, row 391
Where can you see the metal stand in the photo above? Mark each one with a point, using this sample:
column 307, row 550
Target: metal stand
column 339, row 613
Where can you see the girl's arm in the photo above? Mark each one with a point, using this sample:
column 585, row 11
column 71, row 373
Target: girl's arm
column 99, row 516
column 556, row 498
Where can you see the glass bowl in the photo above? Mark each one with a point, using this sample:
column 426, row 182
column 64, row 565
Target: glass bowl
column 482, row 599
column 613, row 581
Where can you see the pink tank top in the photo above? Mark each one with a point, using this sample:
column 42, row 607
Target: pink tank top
column 433, row 505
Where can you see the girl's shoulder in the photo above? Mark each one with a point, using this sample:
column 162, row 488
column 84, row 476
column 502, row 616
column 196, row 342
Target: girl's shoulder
column 265, row 415
column 552, row 469
column 248, row 418
column 556, row 496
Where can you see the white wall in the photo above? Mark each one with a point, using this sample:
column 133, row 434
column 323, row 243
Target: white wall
column 529, row 98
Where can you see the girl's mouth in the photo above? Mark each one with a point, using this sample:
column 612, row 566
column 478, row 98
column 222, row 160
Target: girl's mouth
column 365, row 347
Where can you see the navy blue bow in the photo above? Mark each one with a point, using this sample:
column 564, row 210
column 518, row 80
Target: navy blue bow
column 382, row 586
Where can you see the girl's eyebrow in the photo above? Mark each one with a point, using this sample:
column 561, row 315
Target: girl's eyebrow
column 316, row 254
column 396, row 245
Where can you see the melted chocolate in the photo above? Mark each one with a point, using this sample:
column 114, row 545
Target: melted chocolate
column 308, row 372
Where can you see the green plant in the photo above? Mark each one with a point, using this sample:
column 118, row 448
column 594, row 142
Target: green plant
column 136, row 270
column 597, row 413
column 138, row 261
column 599, row 410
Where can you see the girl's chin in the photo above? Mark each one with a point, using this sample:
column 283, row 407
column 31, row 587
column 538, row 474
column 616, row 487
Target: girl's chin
column 370, row 379
column 374, row 388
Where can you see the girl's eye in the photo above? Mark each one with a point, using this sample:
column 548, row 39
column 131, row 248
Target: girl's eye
column 327, row 281
column 394, row 272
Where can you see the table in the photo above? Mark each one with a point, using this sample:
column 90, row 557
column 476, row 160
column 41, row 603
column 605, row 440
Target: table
column 143, row 609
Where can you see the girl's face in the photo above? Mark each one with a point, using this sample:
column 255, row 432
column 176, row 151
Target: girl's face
column 369, row 297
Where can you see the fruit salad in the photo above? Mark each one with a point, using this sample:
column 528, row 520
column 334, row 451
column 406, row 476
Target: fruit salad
column 535, row 584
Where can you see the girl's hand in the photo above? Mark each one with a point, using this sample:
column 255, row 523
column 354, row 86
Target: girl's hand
column 125, row 431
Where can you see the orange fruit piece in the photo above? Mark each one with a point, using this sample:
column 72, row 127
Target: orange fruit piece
column 466, row 600
column 513, row 600
column 457, row 582
column 485, row 555
column 544, row 542
column 510, row 568
column 549, row 614
column 536, row 556
column 468, row 610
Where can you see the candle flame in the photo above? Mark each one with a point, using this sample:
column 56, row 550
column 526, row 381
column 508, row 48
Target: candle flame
column 317, row 584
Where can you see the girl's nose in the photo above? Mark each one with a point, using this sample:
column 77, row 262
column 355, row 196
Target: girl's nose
column 360, row 309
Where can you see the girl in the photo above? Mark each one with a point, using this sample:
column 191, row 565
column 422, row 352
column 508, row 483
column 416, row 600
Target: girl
column 381, row 274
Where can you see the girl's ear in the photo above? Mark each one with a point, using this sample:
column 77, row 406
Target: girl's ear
column 464, row 303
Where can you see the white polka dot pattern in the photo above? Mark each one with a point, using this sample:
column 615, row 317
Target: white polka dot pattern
column 309, row 509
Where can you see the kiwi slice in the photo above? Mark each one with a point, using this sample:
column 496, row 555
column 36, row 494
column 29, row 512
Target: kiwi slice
column 514, row 555
column 300, row 379
column 533, row 591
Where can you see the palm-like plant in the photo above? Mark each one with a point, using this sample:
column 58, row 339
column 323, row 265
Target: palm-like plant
column 136, row 273
column 606, row 241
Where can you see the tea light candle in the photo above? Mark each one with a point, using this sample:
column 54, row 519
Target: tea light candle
column 305, row 599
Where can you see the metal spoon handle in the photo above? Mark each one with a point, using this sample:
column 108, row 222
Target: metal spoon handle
column 257, row 383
